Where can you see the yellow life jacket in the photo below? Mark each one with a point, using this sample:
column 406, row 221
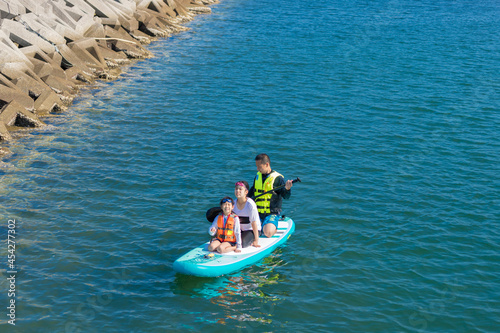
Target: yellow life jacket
column 226, row 233
column 264, row 202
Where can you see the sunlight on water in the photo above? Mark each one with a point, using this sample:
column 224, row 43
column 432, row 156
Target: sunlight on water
column 388, row 112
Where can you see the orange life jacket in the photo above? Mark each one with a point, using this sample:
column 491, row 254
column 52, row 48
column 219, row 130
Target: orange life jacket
column 226, row 234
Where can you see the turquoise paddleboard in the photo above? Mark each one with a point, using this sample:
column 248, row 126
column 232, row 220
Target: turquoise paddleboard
column 201, row 262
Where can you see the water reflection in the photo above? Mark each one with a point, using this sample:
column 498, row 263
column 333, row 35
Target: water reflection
column 238, row 295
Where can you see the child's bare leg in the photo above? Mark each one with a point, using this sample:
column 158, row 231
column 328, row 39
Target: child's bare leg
column 226, row 247
column 214, row 245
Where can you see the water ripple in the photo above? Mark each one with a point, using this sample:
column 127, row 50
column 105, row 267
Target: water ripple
column 390, row 121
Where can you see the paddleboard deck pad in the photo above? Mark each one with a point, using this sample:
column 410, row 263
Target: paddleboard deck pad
column 201, row 262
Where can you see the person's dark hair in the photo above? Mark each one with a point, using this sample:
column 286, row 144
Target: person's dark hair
column 226, row 198
column 263, row 158
column 244, row 183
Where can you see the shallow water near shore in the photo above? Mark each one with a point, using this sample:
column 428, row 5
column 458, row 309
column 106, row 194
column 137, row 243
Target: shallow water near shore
column 388, row 112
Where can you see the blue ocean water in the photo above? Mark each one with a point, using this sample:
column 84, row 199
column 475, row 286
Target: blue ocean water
column 387, row 110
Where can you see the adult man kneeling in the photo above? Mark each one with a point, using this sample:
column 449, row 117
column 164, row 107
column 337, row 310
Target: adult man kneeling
column 269, row 205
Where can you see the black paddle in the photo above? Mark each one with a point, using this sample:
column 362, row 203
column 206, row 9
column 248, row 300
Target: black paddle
column 277, row 188
column 214, row 211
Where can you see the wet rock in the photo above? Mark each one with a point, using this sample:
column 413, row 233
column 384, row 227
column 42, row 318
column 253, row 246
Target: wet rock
column 50, row 48
column 14, row 114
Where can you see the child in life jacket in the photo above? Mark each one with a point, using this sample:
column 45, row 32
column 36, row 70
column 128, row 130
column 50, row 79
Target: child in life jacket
column 225, row 229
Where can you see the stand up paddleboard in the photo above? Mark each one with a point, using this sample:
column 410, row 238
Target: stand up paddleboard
column 201, row 262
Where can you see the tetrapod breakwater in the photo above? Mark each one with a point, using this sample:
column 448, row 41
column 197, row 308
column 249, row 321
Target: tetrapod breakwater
column 50, row 49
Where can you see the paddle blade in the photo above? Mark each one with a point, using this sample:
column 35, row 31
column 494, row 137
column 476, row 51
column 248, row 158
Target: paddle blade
column 212, row 213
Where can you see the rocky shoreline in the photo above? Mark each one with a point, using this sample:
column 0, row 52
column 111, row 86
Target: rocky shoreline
column 51, row 48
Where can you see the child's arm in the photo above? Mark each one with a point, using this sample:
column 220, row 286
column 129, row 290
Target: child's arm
column 237, row 232
column 213, row 228
column 255, row 221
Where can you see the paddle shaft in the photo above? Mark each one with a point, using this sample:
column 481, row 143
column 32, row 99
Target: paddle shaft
column 277, row 188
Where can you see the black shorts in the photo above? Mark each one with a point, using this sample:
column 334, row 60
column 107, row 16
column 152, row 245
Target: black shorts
column 247, row 238
column 215, row 238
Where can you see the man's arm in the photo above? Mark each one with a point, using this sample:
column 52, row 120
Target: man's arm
column 283, row 192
